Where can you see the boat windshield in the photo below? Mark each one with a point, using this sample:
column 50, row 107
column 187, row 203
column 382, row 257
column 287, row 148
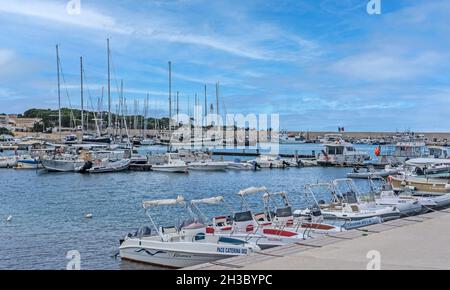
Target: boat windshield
column 335, row 150
column 350, row 197
column 284, row 212
column 243, row 216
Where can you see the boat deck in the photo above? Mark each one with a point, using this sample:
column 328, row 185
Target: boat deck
column 418, row 242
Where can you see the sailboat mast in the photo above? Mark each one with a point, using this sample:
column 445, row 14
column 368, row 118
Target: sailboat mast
column 59, row 91
column 206, row 108
column 101, row 110
column 82, row 96
column 178, row 100
column 189, row 108
column 170, row 103
column 109, row 86
column 146, row 116
column 217, row 103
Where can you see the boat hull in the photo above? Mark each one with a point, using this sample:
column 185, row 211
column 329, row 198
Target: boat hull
column 208, row 167
column 384, row 214
column 406, row 207
column 7, row 163
column 241, row 166
column 28, row 164
column 61, row 165
column 172, row 169
column 171, row 259
column 432, row 186
column 180, row 254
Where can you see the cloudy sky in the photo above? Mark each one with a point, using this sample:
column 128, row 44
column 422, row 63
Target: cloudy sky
column 319, row 64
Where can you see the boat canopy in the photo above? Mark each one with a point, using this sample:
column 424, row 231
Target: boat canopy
column 252, row 190
column 267, row 195
column 150, row 203
column 211, row 200
column 427, row 161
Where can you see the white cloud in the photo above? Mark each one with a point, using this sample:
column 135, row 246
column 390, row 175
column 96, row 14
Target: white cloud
column 57, row 14
column 6, row 56
column 373, row 66
column 168, row 29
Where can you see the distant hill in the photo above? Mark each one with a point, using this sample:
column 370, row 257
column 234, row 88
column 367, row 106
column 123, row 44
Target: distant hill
column 71, row 118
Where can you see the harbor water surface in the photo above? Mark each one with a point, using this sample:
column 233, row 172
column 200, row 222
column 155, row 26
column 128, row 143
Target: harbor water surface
column 49, row 209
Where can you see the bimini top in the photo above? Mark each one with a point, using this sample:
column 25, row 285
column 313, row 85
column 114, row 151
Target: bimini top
column 252, row 190
column 267, row 195
column 150, row 203
column 211, row 200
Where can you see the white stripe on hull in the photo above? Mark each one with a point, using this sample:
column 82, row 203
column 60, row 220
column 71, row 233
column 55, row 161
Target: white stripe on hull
column 167, row 258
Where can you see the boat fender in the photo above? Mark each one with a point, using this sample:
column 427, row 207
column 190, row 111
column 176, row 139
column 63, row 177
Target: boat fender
column 447, row 186
column 389, row 179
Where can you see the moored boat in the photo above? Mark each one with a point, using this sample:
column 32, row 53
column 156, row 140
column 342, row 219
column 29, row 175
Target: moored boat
column 178, row 247
column 208, row 165
column 172, row 165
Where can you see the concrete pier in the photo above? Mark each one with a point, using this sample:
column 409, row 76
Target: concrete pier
column 419, row 242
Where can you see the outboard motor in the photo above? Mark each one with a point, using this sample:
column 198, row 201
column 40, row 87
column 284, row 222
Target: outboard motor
column 87, row 165
column 419, row 171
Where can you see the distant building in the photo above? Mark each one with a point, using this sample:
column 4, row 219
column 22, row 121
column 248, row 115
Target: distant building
column 5, row 122
column 13, row 123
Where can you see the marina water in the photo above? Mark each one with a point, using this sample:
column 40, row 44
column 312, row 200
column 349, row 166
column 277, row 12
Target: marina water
column 49, row 209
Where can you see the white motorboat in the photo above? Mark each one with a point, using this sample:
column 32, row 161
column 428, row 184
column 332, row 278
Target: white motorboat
column 279, row 217
column 428, row 200
column 402, row 151
column 346, row 203
column 331, row 138
column 385, row 195
column 243, row 225
column 104, row 166
column 28, row 162
column 238, row 165
column 342, row 154
column 370, row 172
column 69, row 164
column 268, row 161
column 279, row 211
column 208, row 165
column 179, row 247
column 286, row 138
column 172, row 165
column 8, row 161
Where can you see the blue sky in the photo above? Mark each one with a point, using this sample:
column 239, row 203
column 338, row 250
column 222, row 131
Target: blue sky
column 319, row 64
